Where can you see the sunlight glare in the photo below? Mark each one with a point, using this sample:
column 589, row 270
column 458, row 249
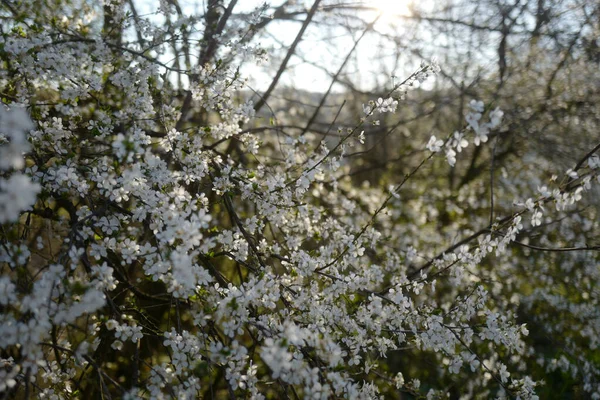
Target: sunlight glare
column 391, row 9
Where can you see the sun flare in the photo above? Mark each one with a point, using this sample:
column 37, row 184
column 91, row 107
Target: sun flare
column 392, row 8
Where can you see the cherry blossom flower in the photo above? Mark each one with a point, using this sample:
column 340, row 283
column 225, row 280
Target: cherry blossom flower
column 434, row 145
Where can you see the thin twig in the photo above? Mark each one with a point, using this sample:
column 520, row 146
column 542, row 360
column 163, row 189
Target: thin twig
column 289, row 54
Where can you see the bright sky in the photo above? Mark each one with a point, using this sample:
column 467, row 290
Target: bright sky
column 367, row 63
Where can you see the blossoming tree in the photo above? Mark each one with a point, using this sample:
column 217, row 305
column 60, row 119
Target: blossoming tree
column 159, row 240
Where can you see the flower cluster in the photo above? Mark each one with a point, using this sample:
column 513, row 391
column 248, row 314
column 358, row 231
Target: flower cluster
column 158, row 242
column 17, row 191
column 458, row 141
column 482, row 130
